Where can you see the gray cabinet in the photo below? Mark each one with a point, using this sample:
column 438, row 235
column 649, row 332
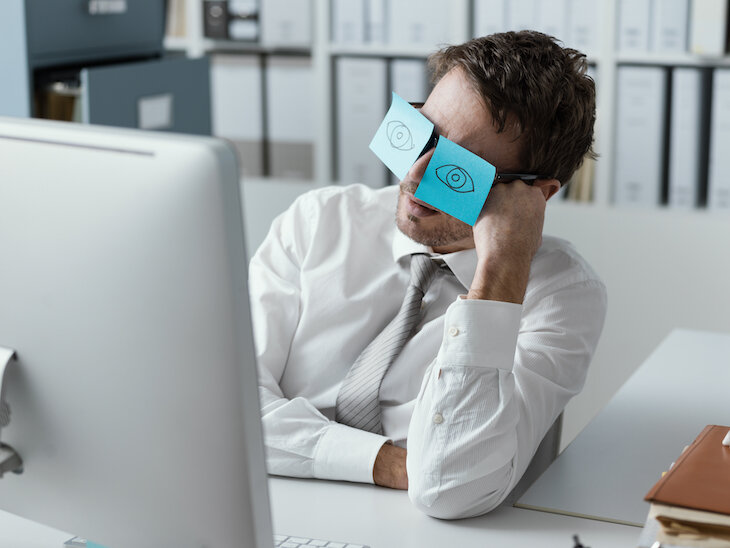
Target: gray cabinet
column 100, row 62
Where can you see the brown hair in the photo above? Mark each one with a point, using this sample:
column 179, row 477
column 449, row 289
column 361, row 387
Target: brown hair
column 545, row 87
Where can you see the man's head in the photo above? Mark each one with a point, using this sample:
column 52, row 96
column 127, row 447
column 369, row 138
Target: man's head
column 518, row 100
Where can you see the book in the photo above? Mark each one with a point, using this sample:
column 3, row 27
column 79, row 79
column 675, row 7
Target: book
column 552, row 18
column 236, row 83
column 290, row 124
column 521, row 15
column 718, row 191
column 708, row 27
column 348, row 21
column 640, row 135
column 376, row 28
column 688, row 139
column 670, row 25
column 584, row 26
column 361, row 104
column 428, row 25
column 286, row 23
column 691, row 501
column 634, row 25
column 490, row 16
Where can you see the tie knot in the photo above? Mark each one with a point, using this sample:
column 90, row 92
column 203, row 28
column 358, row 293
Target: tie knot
column 423, row 271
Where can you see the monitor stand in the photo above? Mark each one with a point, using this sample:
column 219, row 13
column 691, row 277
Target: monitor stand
column 10, row 461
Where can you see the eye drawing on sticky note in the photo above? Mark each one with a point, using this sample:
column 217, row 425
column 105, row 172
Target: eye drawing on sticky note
column 399, row 135
column 454, row 177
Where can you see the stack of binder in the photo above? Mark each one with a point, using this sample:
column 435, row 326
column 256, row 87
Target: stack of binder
column 691, row 502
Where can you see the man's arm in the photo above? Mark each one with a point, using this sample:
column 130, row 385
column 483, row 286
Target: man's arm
column 300, row 441
column 503, row 373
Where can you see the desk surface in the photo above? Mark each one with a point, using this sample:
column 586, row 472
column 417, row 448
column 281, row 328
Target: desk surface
column 611, row 465
column 382, row 518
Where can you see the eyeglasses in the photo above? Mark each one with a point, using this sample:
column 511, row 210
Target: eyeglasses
column 500, row 177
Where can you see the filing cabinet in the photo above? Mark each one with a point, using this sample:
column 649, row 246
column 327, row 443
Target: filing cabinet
column 99, row 62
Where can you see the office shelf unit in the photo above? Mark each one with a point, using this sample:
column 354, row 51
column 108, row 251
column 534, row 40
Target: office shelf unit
column 606, row 58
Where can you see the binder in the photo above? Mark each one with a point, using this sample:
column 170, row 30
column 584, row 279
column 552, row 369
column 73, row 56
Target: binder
column 686, row 138
column 215, row 19
column 552, row 18
column 719, row 160
column 490, row 16
column 640, row 130
column 236, row 93
column 521, row 14
column 408, row 79
column 348, row 21
column 699, row 479
column 708, row 31
column 289, row 117
column 361, row 105
column 670, row 25
column 633, row 25
column 376, row 29
column 243, row 20
column 175, row 24
column 286, row 23
column 584, row 32
column 425, row 24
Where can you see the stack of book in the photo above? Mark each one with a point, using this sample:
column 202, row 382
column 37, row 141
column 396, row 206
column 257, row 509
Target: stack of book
column 690, row 504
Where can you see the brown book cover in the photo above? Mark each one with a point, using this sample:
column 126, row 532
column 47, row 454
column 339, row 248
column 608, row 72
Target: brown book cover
column 700, row 478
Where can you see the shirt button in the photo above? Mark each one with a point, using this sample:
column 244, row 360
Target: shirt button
column 453, row 331
column 438, row 418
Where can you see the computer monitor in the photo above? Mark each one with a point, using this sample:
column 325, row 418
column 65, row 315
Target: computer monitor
column 134, row 401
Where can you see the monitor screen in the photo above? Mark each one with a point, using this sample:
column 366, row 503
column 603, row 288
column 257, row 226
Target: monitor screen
column 133, row 398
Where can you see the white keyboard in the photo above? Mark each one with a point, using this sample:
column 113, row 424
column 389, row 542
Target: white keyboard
column 284, row 541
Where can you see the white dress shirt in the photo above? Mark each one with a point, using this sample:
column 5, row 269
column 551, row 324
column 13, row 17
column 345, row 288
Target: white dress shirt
column 472, row 393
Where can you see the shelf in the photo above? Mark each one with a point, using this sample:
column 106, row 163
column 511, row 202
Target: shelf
column 671, row 59
column 323, row 52
column 252, row 47
column 378, row 50
column 177, row 43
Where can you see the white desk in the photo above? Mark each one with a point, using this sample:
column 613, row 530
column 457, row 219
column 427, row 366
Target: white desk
column 383, row 518
column 604, row 472
column 611, row 465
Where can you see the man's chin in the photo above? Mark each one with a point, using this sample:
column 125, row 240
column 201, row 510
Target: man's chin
column 436, row 230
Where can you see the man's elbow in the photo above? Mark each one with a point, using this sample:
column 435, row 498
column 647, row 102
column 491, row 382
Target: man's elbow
column 460, row 501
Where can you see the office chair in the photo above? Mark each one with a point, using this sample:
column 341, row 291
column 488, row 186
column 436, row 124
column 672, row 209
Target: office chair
column 546, row 453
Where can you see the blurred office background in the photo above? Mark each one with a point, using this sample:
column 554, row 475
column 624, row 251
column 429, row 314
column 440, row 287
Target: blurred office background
column 299, row 87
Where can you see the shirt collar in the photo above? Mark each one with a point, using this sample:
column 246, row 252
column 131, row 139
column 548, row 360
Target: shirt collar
column 462, row 263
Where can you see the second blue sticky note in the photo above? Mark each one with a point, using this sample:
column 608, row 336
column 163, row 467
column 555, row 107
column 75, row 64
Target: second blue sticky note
column 456, row 181
column 401, row 137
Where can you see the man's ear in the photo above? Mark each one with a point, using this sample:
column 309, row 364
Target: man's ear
column 548, row 186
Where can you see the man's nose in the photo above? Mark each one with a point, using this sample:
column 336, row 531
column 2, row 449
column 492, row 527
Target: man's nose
column 418, row 169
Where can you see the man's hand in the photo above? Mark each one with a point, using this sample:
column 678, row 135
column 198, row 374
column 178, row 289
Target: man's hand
column 507, row 235
column 390, row 467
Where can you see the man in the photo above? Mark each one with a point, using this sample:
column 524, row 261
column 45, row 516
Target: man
column 505, row 333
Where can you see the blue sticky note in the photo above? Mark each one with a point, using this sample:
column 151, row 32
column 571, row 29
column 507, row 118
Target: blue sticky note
column 456, row 181
column 401, row 136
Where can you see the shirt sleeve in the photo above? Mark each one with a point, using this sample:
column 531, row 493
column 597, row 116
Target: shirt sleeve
column 299, row 440
column 502, row 376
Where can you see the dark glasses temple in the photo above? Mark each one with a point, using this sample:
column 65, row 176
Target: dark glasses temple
column 505, row 177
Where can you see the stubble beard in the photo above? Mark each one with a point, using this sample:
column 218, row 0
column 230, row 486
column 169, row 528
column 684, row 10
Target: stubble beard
column 446, row 230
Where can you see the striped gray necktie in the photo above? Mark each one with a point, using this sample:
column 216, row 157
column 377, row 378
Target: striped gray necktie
column 358, row 402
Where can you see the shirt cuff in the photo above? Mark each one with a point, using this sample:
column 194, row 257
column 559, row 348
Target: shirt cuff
column 480, row 333
column 347, row 453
